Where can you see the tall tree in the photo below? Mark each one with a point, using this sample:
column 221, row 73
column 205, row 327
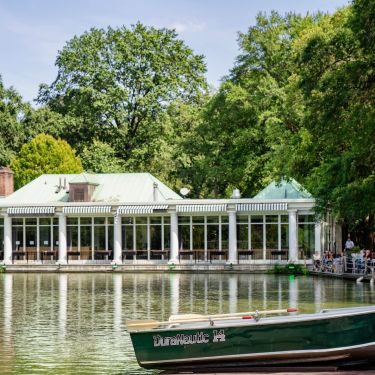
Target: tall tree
column 12, row 112
column 119, row 82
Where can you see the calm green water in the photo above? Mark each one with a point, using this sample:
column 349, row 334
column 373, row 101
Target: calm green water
column 74, row 323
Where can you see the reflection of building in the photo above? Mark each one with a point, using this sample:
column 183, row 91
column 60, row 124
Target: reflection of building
column 135, row 218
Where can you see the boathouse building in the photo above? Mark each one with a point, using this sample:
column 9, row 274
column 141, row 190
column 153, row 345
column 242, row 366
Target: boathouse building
column 133, row 218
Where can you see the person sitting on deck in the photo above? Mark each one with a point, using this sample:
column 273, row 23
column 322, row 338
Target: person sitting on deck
column 327, row 261
column 317, row 264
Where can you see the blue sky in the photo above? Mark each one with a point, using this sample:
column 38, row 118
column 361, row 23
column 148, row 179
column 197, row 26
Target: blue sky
column 32, row 31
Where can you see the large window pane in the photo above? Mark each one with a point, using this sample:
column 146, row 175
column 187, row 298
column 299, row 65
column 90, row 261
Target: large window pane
column 257, row 236
column 213, row 237
column 184, row 237
column 45, row 237
column 141, row 237
column 198, row 237
column 271, row 236
column 167, row 236
column 306, row 240
column 155, row 237
column 224, row 236
column 284, row 236
column 127, row 237
column 99, row 237
column 242, row 236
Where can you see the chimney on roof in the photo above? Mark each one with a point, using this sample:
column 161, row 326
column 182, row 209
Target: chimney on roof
column 6, row 182
column 155, row 192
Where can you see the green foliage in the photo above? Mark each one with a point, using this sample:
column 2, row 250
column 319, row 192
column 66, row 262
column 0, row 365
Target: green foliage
column 100, row 157
column 12, row 112
column 44, row 154
column 119, row 84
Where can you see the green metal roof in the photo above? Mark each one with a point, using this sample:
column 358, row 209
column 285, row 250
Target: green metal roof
column 112, row 187
column 284, row 189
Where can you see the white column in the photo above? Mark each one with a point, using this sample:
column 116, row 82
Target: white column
column 117, row 245
column 318, row 243
column 174, row 280
column 62, row 239
column 8, row 307
column 63, row 303
column 233, row 292
column 7, row 240
column 117, row 302
column 293, row 241
column 293, row 292
column 232, row 256
column 173, row 257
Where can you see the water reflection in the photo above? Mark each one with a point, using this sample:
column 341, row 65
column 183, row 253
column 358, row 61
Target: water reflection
column 74, row 323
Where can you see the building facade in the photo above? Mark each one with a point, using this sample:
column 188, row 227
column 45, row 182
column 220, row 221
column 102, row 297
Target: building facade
column 134, row 218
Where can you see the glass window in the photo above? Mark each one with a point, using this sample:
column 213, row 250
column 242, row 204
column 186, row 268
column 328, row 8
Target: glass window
column 31, row 221
column 110, row 220
column 167, row 219
column 284, row 218
column 257, row 236
column 184, row 237
column 213, row 237
column 99, row 220
column 1, row 234
column 127, row 220
column 184, row 219
column 243, row 236
column 127, row 237
column 198, row 219
column 242, row 219
column 272, row 218
column 213, row 219
column 72, row 237
column 155, row 220
column 272, row 236
column 85, row 221
column 141, row 220
column 155, row 237
column 198, row 237
column 72, row 221
column 141, row 237
column 284, row 236
column 99, row 237
column 306, row 219
column 167, row 237
column 224, row 237
column 110, row 232
column 45, row 236
column 224, row 219
column 256, row 218
column 17, row 237
column 44, row 221
column 306, row 240
column 16, row 221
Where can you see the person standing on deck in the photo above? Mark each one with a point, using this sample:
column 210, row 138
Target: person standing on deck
column 349, row 244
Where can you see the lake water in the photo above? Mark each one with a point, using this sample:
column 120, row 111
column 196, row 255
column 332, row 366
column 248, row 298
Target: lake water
column 75, row 323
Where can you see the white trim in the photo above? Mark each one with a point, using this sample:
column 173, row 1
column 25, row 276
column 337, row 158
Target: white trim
column 301, row 355
column 185, row 208
column 34, row 210
column 87, row 210
column 249, row 207
column 140, row 209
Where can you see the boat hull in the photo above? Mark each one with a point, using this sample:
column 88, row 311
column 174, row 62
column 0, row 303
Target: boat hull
column 329, row 338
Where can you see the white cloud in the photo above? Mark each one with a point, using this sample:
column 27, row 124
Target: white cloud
column 188, row 26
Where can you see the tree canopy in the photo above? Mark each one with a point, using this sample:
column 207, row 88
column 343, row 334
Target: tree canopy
column 120, row 82
column 44, row 154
